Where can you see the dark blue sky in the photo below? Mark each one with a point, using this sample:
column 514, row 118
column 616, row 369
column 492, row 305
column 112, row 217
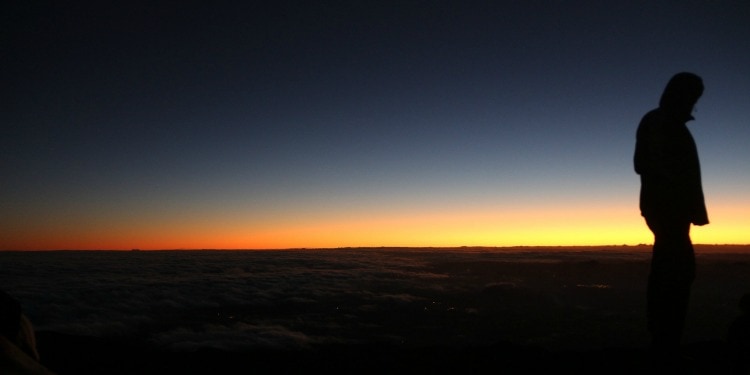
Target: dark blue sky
column 286, row 113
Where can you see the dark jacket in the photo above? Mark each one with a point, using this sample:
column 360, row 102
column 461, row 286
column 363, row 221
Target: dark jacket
column 666, row 158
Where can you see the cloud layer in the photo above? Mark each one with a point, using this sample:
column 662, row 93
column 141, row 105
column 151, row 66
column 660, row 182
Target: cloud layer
column 187, row 300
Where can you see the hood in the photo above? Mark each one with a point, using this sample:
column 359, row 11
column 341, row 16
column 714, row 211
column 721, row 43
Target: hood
column 681, row 94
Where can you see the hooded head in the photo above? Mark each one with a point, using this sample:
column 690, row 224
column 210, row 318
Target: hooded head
column 681, row 94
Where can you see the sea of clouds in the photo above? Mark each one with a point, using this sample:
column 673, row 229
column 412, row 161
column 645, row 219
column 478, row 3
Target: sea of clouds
column 238, row 300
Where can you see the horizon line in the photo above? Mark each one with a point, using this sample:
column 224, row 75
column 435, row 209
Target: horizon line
column 467, row 247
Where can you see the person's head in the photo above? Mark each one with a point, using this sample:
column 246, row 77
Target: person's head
column 681, row 94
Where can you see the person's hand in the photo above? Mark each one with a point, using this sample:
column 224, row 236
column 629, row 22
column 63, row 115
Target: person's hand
column 700, row 222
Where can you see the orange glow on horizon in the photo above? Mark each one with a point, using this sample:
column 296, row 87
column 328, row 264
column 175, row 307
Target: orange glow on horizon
column 491, row 226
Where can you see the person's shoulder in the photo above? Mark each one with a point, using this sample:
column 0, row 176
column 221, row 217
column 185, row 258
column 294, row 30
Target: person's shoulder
column 653, row 116
column 649, row 122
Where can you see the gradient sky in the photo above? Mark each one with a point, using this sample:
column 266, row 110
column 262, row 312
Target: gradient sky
column 326, row 124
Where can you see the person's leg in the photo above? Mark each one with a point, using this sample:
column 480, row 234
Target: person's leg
column 672, row 274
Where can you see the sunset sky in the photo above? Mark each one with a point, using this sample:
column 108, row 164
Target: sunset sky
column 163, row 125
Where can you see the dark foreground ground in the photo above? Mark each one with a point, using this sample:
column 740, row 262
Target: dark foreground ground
column 66, row 354
column 354, row 311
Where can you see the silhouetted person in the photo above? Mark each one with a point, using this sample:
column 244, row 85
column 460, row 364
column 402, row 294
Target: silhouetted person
column 671, row 199
column 739, row 338
column 18, row 353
